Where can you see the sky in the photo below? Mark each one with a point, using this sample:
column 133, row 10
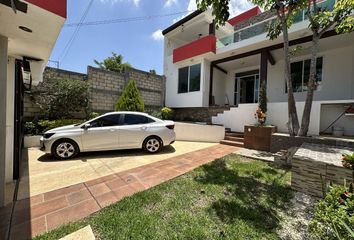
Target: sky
column 140, row 42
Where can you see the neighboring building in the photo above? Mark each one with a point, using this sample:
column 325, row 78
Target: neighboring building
column 28, row 31
column 205, row 67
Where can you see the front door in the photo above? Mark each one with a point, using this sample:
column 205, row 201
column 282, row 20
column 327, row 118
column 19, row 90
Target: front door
column 102, row 134
column 246, row 88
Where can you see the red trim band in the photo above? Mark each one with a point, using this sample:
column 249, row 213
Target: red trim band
column 57, row 7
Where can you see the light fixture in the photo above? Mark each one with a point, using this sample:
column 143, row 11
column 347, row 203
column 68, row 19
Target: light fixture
column 26, row 29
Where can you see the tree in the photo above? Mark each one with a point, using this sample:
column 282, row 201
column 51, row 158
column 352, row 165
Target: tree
column 321, row 20
column 152, row 71
column 114, row 63
column 263, row 97
column 60, row 98
column 130, row 100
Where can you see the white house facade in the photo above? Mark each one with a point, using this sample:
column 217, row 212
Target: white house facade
column 206, row 67
column 28, row 32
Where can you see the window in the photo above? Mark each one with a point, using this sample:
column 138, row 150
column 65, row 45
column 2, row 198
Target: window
column 300, row 74
column 189, row 79
column 106, row 121
column 131, row 119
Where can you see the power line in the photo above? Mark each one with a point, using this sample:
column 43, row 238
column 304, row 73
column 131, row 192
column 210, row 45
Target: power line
column 71, row 40
column 123, row 20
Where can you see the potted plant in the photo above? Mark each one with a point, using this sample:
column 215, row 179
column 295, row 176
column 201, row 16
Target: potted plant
column 258, row 136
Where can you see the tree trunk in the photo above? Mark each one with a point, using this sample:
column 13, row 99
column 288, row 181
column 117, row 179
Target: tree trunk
column 305, row 122
column 293, row 124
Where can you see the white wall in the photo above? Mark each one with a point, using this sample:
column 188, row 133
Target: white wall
column 329, row 113
column 337, row 77
column 10, row 103
column 277, row 115
column 199, row 133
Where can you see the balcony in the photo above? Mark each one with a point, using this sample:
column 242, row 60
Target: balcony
column 198, row 47
column 261, row 27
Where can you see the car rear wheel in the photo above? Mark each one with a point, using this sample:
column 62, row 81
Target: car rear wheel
column 65, row 149
column 152, row 145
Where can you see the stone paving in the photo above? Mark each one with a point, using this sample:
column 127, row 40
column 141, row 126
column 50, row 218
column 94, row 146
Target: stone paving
column 47, row 211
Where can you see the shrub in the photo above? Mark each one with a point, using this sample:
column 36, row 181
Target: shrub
column 263, row 97
column 167, row 113
column 334, row 215
column 93, row 115
column 156, row 114
column 46, row 125
column 30, row 128
column 130, row 100
column 58, row 99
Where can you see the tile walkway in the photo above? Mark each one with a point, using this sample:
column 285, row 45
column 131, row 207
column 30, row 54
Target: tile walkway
column 47, row 211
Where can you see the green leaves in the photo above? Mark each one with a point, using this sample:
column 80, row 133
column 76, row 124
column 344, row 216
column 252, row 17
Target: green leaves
column 114, row 63
column 60, row 98
column 130, row 100
column 220, row 9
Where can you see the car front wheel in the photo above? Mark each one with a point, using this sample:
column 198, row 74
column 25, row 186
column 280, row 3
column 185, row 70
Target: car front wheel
column 152, row 145
column 65, row 149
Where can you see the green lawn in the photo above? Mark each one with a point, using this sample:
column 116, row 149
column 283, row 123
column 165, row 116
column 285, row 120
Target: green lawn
column 231, row 198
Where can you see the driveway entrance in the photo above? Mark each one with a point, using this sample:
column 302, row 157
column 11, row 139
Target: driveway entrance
column 41, row 173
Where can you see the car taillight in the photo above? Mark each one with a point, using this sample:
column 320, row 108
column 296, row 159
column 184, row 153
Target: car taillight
column 170, row 126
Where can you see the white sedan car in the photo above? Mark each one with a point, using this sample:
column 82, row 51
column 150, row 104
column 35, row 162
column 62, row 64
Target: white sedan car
column 111, row 131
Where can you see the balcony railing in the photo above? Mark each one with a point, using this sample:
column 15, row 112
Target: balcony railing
column 262, row 27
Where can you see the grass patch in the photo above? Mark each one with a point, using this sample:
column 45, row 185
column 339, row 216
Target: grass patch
column 230, row 198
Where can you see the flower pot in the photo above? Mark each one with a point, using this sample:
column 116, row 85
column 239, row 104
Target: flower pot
column 258, row 137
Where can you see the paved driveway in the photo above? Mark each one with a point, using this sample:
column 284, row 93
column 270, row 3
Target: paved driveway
column 41, row 173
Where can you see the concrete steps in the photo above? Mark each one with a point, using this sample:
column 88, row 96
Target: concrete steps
column 233, row 138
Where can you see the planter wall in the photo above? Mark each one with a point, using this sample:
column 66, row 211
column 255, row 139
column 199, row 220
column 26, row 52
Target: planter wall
column 31, row 141
column 258, row 138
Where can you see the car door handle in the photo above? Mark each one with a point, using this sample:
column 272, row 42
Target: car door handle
column 112, row 130
column 143, row 128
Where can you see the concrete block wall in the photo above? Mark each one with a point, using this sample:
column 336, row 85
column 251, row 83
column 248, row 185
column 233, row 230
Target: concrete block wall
column 105, row 88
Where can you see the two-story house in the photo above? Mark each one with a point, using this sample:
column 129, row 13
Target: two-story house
column 207, row 66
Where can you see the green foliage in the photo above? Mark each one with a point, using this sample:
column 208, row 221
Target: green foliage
column 30, row 128
column 220, row 9
column 114, row 63
column 58, row 99
column 130, row 100
column 93, row 115
column 46, row 125
column 263, row 97
column 152, row 71
column 156, row 114
column 348, row 161
column 167, row 113
column 334, row 215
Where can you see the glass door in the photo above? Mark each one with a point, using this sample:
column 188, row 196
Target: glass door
column 247, row 89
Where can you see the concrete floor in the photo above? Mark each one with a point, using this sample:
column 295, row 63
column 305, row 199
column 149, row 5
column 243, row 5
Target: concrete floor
column 41, row 173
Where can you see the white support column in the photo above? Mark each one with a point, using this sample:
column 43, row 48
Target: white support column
column 3, row 89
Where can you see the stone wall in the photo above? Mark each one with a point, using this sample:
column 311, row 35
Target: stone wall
column 201, row 114
column 105, row 88
column 284, row 141
column 315, row 166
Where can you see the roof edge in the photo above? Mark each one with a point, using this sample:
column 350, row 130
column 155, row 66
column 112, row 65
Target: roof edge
column 182, row 21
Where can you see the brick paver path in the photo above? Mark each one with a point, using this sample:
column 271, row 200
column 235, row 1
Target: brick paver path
column 47, row 211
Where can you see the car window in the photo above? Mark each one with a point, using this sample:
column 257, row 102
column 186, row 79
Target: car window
column 106, row 121
column 131, row 119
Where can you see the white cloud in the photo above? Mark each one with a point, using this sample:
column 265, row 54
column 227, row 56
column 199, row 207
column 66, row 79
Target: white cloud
column 136, row 2
column 169, row 3
column 157, row 35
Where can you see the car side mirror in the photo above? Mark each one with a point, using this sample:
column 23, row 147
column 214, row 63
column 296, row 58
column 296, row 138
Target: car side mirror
column 87, row 126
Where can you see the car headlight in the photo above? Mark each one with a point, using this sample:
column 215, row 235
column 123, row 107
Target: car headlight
column 47, row 135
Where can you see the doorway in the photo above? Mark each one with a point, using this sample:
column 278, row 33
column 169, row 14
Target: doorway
column 246, row 87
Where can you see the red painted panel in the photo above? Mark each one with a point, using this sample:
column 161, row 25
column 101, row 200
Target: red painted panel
column 244, row 16
column 198, row 47
column 57, row 7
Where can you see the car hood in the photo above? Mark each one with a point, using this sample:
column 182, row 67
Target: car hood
column 64, row 128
